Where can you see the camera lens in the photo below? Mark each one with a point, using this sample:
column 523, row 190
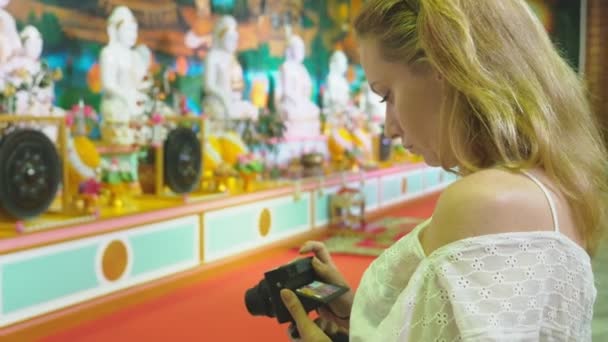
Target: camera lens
column 257, row 300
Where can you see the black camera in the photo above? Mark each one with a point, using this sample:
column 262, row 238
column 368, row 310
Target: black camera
column 298, row 276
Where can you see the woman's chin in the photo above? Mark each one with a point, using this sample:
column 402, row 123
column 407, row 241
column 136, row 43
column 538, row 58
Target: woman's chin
column 432, row 163
column 431, row 160
column 435, row 161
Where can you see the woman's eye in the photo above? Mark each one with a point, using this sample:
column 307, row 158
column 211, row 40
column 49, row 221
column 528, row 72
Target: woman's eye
column 385, row 98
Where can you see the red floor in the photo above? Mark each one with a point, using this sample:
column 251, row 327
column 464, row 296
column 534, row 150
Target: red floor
column 212, row 310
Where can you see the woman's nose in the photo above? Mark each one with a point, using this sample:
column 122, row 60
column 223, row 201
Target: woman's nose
column 390, row 127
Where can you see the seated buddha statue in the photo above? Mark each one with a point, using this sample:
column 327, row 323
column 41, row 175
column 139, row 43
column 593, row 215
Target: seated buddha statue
column 223, row 79
column 347, row 132
column 293, row 93
column 123, row 82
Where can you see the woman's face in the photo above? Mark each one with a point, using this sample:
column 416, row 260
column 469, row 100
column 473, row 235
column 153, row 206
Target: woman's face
column 413, row 101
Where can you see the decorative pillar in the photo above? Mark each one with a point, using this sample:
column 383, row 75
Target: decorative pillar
column 596, row 57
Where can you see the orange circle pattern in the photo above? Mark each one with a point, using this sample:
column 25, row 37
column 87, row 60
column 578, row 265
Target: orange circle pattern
column 265, row 223
column 114, row 261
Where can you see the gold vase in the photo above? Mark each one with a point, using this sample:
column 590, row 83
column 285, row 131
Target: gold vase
column 249, row 180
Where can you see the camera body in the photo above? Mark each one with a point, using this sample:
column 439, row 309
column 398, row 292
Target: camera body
column 299, row 276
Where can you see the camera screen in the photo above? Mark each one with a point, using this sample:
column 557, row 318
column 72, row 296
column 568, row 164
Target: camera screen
column 320, row 291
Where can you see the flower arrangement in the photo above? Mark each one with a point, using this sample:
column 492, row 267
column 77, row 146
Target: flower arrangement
column 48, row 76
column 116, row 172
column 7, row 97
column 249, row 166
column 250, row 163
column 164, row 88
column 23, row 79
column 19, row 78
column 82, row 119
column 266, row 132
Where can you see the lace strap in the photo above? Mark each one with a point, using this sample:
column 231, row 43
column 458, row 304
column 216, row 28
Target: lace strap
column 549, row 199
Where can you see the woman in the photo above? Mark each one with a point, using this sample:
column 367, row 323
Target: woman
column 476, row 86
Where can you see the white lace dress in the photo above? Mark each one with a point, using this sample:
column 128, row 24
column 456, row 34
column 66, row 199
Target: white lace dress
column 526, row 286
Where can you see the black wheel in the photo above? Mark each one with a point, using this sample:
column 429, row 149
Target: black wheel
column 182, row 160
column 30, row 173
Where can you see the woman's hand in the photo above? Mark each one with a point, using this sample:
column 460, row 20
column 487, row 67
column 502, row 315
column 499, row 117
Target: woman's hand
column 326, row 270
column 307, row 329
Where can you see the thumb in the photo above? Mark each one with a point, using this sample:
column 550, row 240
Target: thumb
column 307, row 329
column 295, row 308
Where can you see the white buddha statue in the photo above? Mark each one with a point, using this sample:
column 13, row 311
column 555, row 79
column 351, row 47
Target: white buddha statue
column 122, row 78
column 22, row 68
column 372, row 106
column 223, row 79
column 337, row 98
column 10, row 44
column 347, row 122
column 35, row 92
column 36, row 100
column 293, row 93
column 32, row 43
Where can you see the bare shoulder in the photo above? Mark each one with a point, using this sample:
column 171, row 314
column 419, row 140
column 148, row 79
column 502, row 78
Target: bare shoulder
column 487, row 202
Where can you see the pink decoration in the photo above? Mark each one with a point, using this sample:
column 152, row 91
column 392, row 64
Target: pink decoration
column 78, row 110
column 20, row 227
column 157, row 119
column 183, row 105
column 69, row 119
column 90, row 187
column 89, row 112
column 115, row 164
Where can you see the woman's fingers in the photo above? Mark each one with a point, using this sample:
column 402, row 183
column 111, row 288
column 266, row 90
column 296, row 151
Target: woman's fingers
column 319, row 250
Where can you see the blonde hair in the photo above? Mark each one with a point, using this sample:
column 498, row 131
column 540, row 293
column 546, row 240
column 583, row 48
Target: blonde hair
column 513, row 101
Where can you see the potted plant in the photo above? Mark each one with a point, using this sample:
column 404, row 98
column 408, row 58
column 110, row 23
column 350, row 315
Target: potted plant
column 269, row 131
column 249, row 166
